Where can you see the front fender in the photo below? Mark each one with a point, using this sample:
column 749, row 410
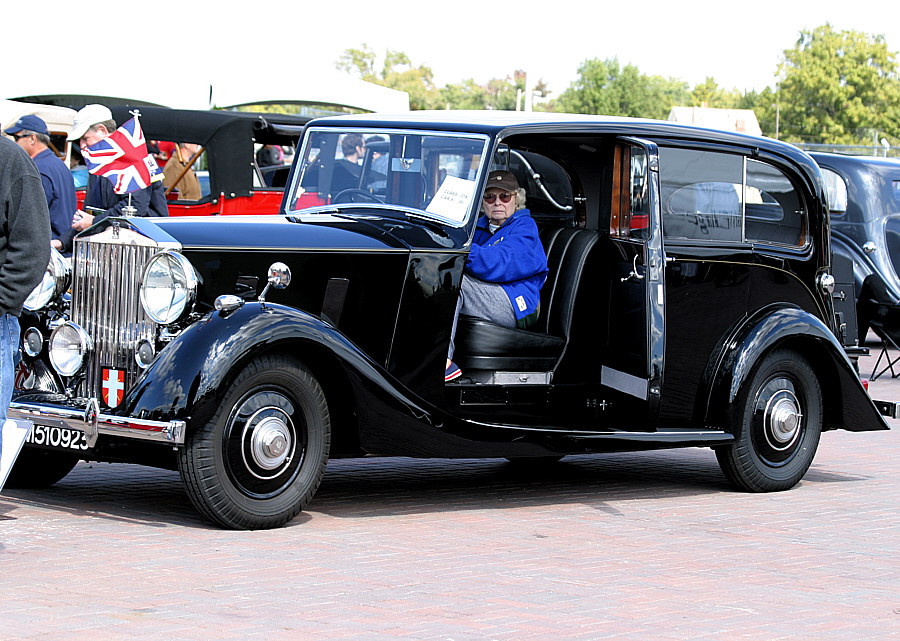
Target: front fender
column 191, row 374
column 846, row 403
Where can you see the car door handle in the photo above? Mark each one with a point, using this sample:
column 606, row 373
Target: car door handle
column 633, row 274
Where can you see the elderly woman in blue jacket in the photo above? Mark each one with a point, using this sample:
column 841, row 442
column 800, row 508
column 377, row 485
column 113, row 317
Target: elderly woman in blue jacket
column 507, row 265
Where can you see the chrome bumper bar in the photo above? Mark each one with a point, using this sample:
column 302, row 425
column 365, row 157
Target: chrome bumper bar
column 93, row 423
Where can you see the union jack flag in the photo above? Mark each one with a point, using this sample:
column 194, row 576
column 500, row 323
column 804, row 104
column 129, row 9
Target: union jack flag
column 122, row 158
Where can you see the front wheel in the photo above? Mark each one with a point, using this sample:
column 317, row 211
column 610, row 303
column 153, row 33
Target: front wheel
column 260, row 458
column 779, row 419
column 38, row 469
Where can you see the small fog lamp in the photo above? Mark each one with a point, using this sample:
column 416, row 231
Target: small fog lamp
column 32, row 342
column 145, row 354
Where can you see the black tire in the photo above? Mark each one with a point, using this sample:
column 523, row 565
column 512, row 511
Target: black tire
column 261, row 457
column 779, row 415
column 37, row 469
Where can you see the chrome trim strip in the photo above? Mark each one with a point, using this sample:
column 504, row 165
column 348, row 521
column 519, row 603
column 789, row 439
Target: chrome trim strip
column 624, row 382
column 171, row 432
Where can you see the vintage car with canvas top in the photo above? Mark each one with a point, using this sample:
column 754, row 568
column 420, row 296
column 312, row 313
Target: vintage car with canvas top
column 688, row 303
column 233, row 182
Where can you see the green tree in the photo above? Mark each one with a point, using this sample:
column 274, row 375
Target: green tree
column 709, row 94
column 397, row 72
column 467, row 94
column 359, row 63
column 765, row 105
column 604, row 87
column 838, row 87
column 497, row 93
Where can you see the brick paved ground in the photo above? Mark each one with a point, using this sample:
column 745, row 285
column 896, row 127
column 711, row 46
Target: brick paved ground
column 640, row 546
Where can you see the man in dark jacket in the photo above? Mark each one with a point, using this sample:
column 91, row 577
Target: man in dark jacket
column 32, row 135
column 92, row 124
column 24, row 253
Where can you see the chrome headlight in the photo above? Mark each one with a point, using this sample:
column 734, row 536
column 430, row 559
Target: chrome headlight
column 168, row 287
column 69, row 348
column 53, row 285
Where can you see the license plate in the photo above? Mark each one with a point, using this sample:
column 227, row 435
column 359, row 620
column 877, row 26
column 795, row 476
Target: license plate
column 57, row 437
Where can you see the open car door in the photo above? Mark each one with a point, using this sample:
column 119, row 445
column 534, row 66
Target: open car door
column 632, row 355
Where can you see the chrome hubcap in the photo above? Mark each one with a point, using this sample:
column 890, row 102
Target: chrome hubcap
column 270, row 439
column 783, row 420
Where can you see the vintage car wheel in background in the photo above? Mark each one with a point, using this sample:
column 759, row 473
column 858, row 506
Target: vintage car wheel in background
column 780, row 410
column 259, row 460
column 36, row 469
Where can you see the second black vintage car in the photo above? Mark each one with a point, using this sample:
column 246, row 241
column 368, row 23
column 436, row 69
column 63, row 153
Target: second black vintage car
column 688, row 303
column 863, row 194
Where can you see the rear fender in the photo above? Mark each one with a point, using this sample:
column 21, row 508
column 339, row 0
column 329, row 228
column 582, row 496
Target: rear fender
column 846, row 403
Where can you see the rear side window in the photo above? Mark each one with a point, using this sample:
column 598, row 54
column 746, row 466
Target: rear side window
column 718, row 197
column 701, row 194
column 772, row 208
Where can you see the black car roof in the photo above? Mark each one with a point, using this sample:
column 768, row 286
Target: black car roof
column 846, row 160
column 495, row 122
column 506, row 123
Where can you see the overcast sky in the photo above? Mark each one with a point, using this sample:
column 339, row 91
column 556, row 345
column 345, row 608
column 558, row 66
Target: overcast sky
column 738, row 44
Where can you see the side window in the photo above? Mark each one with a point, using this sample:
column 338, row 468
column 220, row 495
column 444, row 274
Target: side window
column 773, row 209
column 701, row 194
column 835, row 191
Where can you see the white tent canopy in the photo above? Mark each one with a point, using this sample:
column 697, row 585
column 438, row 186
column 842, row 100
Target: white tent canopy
column 58, row 119
column 325, row 88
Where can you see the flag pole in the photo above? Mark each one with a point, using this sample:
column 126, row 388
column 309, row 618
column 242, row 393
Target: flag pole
column 129, row 209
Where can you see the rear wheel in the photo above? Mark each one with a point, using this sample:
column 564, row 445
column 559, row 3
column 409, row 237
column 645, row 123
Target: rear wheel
column 259, row 460
column 780, row 420
column 35, row 469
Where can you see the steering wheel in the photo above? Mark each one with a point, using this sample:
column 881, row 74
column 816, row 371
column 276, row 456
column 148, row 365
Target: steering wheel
column 355, row 196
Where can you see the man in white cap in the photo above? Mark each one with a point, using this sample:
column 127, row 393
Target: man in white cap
column 92, row 124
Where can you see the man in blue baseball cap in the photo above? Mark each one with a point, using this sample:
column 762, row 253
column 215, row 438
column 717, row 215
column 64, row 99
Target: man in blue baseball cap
column 32, row 135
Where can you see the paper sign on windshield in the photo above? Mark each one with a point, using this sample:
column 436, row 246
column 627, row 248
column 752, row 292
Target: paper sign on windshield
column 452, row 199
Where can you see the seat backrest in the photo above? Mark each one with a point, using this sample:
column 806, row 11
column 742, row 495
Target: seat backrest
column 567, row 252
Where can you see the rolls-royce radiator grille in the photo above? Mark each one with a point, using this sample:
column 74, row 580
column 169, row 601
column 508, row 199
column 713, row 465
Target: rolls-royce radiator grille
column 106, row 275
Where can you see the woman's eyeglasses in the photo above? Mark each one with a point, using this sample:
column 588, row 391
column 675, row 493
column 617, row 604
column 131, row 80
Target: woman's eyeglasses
column 504, row 197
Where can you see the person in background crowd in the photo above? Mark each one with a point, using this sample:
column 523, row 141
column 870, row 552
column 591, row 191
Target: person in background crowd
column 32, row 135
column 93, row 123
column 189, row 185
column 161, row 150
column 348, row 169
column 270, row 156
column 24, row 253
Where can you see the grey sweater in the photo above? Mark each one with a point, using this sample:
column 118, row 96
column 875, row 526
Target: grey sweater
column 24, row 227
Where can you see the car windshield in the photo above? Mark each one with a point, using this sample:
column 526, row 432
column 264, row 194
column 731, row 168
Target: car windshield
column 433, row 174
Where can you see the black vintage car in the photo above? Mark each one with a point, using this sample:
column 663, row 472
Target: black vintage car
column 863, row 194
column 688, row 304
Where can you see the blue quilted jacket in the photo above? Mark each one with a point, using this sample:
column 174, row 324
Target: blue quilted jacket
column 514, row 258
